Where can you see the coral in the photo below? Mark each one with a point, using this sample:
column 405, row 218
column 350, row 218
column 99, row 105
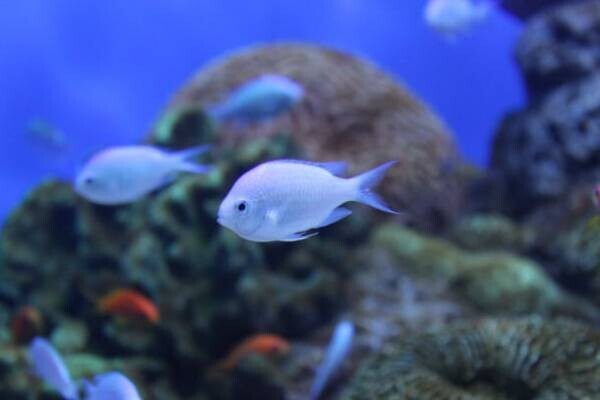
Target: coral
column 493, row 281
column 213, row 288
column 486, row 232
column 490, row 359
column 576, row 257
column 351, row 111
column 559, row 47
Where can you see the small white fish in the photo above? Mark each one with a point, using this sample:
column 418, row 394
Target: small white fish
column 111, row 386
column 50, row 368
column 258, row 100
column 121, row 175
column 337, row 351
column 281, row 200
column 453, row 17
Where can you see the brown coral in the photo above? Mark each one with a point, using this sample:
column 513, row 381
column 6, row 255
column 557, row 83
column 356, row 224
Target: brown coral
column 528, row 358
column 351, row 111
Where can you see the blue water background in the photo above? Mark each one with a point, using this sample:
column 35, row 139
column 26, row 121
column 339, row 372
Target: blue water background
column 102, row 70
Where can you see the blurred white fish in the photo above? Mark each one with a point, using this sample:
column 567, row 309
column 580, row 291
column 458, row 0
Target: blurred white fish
column 259, row 100
column 121, row 175
column 50, row 368
column 43, row 133
column 111, row 386
column 281, row 200
column 337, row 351
column 453, row 17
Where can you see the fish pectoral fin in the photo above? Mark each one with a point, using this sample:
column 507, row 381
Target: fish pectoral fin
column 336, row 215
column 294, row 237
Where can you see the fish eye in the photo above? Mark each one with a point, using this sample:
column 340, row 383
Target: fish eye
column 89, row 181
column 241, row 206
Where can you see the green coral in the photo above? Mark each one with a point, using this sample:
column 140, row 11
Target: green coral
column 491, row 359
column 489, row 231
column 493, row 281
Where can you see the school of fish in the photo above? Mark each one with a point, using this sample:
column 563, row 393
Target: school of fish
column 280, row 200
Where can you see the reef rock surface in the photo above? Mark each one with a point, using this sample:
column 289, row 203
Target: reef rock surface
column 351, row 111
column 490, row 359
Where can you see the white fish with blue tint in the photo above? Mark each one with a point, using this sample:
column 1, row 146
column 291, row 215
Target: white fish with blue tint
column 261, row 99
column 453, row 17
column 337, row 351
column 282, row 200
column 111, row 386
column 50, row 368
column 122, row 175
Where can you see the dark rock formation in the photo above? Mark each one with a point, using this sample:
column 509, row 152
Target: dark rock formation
column 524, row 9
column 560, row 47
column 553, row 145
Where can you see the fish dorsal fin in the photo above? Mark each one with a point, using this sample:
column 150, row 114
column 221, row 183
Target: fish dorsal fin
column 336, row 168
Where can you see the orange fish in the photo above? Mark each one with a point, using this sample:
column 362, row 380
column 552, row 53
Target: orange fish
column 26, row 324
column 264, row 344
column 129, row 303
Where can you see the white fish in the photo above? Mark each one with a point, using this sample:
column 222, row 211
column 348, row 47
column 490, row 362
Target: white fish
column 50, row 368
column 111, row 386
column 261, row 99
column 121, row 175
column 281, row 200
column 453, row 17
column 337, row 351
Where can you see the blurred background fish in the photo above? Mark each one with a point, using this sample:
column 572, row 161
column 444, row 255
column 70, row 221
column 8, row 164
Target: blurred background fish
column 49, row 366
column 263, row 344
column 128, row 303
column 45, row 135
column 258, row 100
column 454, row 17
column 111, row 386
column 337, row 350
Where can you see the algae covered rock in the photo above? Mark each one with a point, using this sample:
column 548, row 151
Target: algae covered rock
column 495, row 282
column 351, row 111
column 490, row 359
column 487, row 232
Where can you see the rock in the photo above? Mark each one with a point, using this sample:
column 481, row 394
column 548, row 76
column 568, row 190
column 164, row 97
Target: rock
column 560, row 46
column 69, row 336
column 551, row 146
column 490, row 359
column 495, row 282
column 491, row 232
column 542, row 152
column 351, row 111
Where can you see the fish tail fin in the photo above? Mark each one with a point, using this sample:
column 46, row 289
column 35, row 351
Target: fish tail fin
column 185, row 165
column 365, row 183
column 191, row 152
